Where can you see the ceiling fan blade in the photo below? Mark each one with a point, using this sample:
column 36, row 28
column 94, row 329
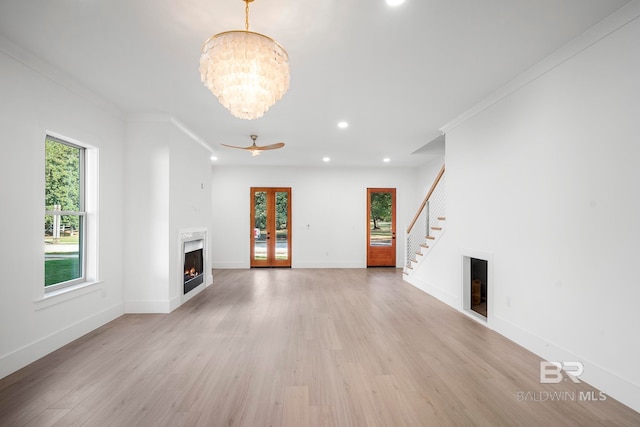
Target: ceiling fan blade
column 271, row 146
column 235, row 146
column 257, row 149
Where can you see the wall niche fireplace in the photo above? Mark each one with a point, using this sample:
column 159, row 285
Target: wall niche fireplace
column 193, row 260
column 479, row 286
column 476, row 285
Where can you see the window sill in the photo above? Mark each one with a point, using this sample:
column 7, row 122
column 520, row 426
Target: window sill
column 65, row 294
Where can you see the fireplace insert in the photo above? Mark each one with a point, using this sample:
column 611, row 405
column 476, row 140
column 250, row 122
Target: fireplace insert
column 193, row 269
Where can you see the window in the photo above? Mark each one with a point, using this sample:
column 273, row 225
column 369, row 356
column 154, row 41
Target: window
column 65, row 215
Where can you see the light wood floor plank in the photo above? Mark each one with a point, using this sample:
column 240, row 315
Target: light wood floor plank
column 296, row 347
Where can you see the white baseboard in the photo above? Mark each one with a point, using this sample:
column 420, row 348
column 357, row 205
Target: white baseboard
column 230, row 265
column 445, row 297
column 176, row 302
column 295, row 264
column 139, row 307
column 613, row 385
column 195, row 291
column 18, row 359
column 602, row 379
column 328, row 264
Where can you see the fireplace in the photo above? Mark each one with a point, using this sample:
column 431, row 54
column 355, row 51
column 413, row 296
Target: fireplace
column 193, row 266
column 476, row 288
column 478, row 285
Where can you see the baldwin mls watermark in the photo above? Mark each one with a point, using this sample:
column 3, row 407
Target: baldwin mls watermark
column 557, row 373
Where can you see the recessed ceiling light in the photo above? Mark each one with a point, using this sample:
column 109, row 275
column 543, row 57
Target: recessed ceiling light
column 326, row 159
column 386, row 160
column 395, row 2
column 343, row 125
column 214, row 158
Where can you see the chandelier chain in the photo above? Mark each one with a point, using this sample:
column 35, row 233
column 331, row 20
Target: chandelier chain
column 246, row 15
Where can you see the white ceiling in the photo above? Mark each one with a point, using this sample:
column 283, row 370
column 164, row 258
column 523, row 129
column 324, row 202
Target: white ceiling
column 396, row 75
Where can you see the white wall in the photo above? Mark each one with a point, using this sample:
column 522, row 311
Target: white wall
column 168, row 190
column 426, row 175
column 329, row 212
column 146, row 256
column 545, row 182
column 191, row 206
column 36, row 100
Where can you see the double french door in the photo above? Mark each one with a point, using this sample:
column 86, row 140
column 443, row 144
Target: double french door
column 270, row 227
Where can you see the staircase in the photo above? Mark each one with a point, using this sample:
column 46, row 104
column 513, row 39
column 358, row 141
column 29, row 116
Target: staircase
column 427, row 225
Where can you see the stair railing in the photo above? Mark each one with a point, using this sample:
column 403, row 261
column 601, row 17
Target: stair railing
column 429, row 214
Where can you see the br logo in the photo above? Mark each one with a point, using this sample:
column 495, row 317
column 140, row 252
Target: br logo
column 551, row 372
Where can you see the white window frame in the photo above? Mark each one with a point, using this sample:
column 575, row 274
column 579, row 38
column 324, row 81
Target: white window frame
column 81, row 214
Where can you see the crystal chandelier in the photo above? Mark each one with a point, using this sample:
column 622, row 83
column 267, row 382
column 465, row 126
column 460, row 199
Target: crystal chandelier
column 248, row 72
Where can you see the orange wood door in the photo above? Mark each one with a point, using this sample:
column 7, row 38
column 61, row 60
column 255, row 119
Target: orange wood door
column 270, row 232
column 381, row 227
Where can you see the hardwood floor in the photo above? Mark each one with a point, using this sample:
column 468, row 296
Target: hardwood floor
column 329, row 347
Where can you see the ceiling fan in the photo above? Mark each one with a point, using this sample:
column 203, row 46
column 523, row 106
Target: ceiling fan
column 257, row 149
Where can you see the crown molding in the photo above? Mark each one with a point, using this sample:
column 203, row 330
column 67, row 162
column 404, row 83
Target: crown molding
column 167, row 118
column 177, row 123
column 57, row 76
column 601, row 30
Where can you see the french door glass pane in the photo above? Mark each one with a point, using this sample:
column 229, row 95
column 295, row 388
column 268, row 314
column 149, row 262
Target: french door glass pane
column 260, row 226
column 380, row 219
column 282, row 220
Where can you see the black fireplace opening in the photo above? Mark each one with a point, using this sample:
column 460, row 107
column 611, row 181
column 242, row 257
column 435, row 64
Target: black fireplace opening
column 478, row 283
column 193, row 270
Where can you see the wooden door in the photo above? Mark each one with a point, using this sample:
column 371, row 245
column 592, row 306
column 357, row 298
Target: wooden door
column 270, row 233
column 381, row 227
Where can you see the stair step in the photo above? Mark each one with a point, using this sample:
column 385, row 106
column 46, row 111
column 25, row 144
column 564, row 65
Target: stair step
column 442, row 218
column 419, row 253
column 436, row 228
column 409, row 267
column 430, row 238
column 423, row 245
